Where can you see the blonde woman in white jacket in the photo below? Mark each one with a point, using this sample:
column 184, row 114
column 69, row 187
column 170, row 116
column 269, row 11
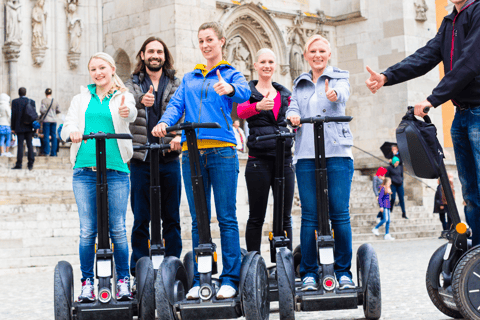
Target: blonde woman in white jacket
column 5, row 130
column 107, row 106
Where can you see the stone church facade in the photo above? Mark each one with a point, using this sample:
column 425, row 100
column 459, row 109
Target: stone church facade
column 47, row 43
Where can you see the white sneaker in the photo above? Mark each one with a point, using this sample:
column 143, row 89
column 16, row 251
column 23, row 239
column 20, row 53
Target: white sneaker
column 388, row 237
column 226, row 292
column 375, row 231
column 8, row 154
column 193, row 293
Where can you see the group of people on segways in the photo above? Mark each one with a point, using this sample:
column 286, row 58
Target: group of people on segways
column 160, row 107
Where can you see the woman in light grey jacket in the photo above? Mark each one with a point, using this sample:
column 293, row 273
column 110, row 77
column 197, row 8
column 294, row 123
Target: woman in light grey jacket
column 323, row 91
column 5, row 131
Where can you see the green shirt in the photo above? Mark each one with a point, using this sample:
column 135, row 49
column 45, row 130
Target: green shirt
column 98, row 118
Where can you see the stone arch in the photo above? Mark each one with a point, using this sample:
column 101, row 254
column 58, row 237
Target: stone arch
column 124, row 67
column 248, row 28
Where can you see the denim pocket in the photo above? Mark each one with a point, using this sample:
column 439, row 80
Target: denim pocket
column 78, row 171
column 184, row 157
column 226, row 152
column 475, row 111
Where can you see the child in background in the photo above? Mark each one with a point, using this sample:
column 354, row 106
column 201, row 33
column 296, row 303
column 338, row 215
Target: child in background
column 384, row 202
column 377, row 182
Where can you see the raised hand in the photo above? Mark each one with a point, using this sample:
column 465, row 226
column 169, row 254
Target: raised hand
column 123, row 109
column 376, row 80
column 148, row 99
column 266, row 103
column 222, row 87
column 330, row 93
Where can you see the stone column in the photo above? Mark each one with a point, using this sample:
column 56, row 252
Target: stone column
column 12, row 53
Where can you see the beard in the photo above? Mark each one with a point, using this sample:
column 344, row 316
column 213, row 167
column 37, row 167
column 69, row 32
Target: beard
column 154, row 68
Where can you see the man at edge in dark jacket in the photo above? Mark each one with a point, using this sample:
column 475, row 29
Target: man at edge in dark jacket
column 457, row 44
column 23, row 130
column 152, row 84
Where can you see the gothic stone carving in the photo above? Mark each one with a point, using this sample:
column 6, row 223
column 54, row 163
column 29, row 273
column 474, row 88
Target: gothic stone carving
column 75, row 29
column 239, row 56
column 13, row 17
column 247, row 20
column 12, row 52
column 421, row 10
column 39, row 37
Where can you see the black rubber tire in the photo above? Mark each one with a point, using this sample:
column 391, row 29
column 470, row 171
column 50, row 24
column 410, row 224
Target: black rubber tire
column 432, row 282
column 286, row 297
column 255, row 291
column 165, row 309
column 372, row 297
column 61, row 308
column 464, row 280
column 146, row 308
column 188, row 264
column 297, row 258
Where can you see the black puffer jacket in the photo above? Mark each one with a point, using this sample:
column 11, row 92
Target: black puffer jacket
column 265, row 123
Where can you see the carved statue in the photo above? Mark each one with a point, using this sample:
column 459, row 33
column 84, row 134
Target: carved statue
column 75, row 26
column 421, row 10
column 239, row 56
column 13, row 17
column 296, row 58
column 39, row 19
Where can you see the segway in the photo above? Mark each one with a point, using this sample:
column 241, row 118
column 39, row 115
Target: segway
column 328, row 296
column 173, row 280
column 156, row 244
column 452, row 279
column 281, row 287
column 106, row 306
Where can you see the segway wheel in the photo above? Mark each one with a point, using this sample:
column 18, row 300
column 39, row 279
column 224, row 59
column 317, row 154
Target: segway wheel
column 286, row 285
column 297, row 258
column 146, row 307
column 466, row 284
column 368, row 275
column 169, row 287
column 432, row 280
column 63, row 297
column 188, row 264
column 255, row 291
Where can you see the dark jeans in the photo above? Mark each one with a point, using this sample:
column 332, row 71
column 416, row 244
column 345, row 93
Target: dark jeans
column 465, row 132
column 339, row 174
column 170, row 189
column 50, row 130
column 401, row 193
column 260, row 177
column 27, row 136
column 446, row 223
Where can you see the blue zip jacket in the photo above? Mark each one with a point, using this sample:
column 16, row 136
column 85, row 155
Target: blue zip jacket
column 457, row 44
column 197, row 98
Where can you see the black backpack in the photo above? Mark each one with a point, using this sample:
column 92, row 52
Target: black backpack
column 417, row 142
column 29, row 114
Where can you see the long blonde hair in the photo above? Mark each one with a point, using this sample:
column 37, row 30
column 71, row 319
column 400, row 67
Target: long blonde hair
column 384, row 184
column 108, row 58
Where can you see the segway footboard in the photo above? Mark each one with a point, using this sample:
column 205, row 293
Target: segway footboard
column 118, row 310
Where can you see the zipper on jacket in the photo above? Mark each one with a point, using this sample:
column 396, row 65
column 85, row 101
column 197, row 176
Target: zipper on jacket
column 454, row 34
column 206, row 92
column 225, row 117
column 201, row 98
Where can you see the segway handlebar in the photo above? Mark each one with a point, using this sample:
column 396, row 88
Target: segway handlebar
column 193, row 125
column 102, row 135
column 276, row 135
column 319, row 119
column 152, row 146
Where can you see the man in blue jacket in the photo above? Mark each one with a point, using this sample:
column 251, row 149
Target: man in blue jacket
column 457, row 44
column 24, row 131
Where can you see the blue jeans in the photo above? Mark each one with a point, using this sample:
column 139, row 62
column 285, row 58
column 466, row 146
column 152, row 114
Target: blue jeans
column 401, row 197
column 466, row 143
column 5, row 136
column 50, row 130
column 219, row 168
column 385, row 219
column 339, row 174
column 84, row 188
column 170, row 192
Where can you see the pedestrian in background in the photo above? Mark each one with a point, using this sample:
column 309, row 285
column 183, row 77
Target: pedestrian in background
column 5, row 131
column 239, row 136
column 22, row 128
column 377, row 182
column 48, row 115
column 384, row 202
column 395, row 172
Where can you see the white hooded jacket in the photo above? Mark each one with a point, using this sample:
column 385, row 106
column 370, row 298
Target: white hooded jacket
column 5, row 110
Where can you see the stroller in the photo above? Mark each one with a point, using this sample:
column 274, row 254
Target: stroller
column 452, row 280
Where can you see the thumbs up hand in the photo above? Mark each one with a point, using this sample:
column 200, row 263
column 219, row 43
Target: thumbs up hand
column 376, row 80
column 123, row 109
column 266, row 103
column 330, row 93
column 148, row 99
column 221, row 87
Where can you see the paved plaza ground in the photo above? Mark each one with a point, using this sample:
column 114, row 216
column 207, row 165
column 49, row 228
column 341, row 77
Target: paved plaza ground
column 402, row 267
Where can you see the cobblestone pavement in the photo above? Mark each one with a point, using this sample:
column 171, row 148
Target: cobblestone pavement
column 402, row 266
